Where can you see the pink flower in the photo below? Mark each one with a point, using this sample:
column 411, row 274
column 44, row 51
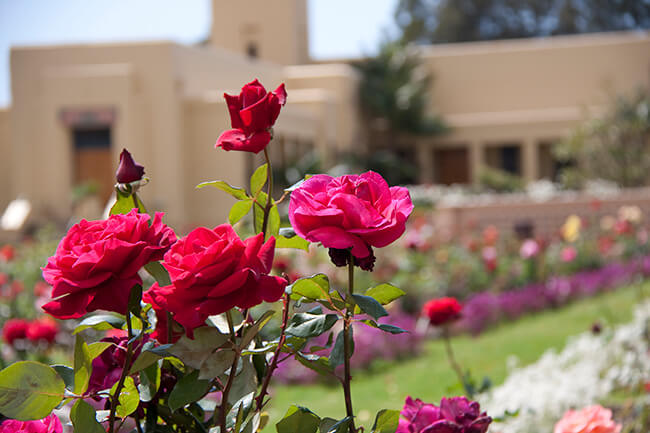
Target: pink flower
column 568, row 254
column 49, row 424
column 213, row 271
column 529, row 249
column 455, row 415
column 252, row 115
column 490, row 256
column 592, row 419
column 354, row 212
column 97, row 262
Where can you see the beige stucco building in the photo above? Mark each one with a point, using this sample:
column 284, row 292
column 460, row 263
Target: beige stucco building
column 74, row 107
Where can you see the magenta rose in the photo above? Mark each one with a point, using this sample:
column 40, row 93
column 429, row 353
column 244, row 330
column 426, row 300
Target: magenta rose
column 455, row 415
column 97, row 262
column 354, row 212
column 252, row 115
column 213, row 271
column 49, row 424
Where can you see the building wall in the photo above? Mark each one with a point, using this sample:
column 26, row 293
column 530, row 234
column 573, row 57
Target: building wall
column 278, row 29
column 5, row 160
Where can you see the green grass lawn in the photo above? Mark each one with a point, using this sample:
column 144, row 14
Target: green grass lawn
column 429, row 376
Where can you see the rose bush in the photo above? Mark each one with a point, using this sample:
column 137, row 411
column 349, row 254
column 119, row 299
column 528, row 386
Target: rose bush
column 252, row 115
column 354, row 212
column 97, row 263
column 213, row 271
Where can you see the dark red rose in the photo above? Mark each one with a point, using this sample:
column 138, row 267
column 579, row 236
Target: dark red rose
column 128, row 171
column 442, row 311
column 252, row 115
column 14, row 329
column 107, row 367
column 455, row 415
column 43, row 329
column 97, row 262
column 213, row 271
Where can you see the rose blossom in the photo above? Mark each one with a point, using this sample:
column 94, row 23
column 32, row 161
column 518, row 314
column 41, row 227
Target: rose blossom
column 128, row 171
column 252, row 115
column 455, row 415
column 7, row 253
column 591, row 419
column 97, row 262
column 213, row 271
column 529, row 249
column 353, row 211
column 14, row 329
column 442, row 311
column 44, row 329
column 107, row 367
column 49, row 424
column 568, row 254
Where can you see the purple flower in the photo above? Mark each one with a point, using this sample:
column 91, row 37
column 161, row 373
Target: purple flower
column 455, row 415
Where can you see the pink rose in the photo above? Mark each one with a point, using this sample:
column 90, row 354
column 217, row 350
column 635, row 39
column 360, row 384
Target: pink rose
column 213, row 271
column 355, row 211
column 529, row 249
column 252, row 115
column 568, row 254
column 455, row 415
column 97, row 262
column 49, row 424
column 592, row 419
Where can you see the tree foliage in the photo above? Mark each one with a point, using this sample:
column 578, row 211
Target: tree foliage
column 614, row 147
column 437, row 21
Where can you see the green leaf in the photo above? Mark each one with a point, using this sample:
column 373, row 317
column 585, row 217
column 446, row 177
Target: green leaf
column 158, row 271
column 320, row 364
column 129, row 398
column 239, row 210
column 144, row 360
column 252, row 331
column 329, row 425
column 298, row 419
column 295, row 242
column 258, row 211
column 187, row 390
column 386, row 421
column 216, row 364
column 307, row 325
column 287, row 232
column 313, row 288
column 149, row 382
column 370, row 306
column 135, row 297
column 337, row 355
column 84, row 418
column 67, row 374
column 125, row 202
column 238, row 193
column 29, row 390
column 384, row 327
column 258, row 179
column 274, row 221
column 385, row 293
column 96, row 349
column 100, row 322
column 193, row 352
column 82, row 366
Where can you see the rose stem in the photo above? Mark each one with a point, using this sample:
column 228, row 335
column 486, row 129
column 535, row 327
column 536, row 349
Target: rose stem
column 346, row 346
column 125, row 372
column 452, row 359
column 269, row 199
column 274, row 362
column 231, row 377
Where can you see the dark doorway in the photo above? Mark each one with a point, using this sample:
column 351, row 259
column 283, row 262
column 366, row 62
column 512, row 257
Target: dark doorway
column 93, row 159
column 451, row 166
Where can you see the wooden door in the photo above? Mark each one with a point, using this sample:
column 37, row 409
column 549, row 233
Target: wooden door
column 93, row 160
column 451, row 166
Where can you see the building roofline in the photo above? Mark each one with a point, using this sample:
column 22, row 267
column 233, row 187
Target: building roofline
column 120, row 44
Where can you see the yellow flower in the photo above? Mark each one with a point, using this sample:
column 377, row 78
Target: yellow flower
column 571, row 228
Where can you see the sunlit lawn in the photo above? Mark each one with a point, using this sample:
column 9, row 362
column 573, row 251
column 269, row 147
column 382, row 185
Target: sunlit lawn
column 429, row 377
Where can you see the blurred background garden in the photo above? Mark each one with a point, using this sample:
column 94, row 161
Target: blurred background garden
column 521, row 129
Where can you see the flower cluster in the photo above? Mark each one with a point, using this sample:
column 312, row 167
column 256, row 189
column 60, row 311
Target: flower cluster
column 44, row 329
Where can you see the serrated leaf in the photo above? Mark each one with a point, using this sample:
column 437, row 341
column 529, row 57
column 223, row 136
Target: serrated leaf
column 258, row 179
column 238, row 193
column 298, row 419
column 274, row 222
column 295, row 242
column 386, row 421
column 313, row 288
column 187, row 390
column 370, row 306
column 159, row 273
column 29, row 390
column 216, row 364
column 239, row 210
column 84, row 418
column 306, row 325
column 100, row 322
column 128, row 399
column 194, row 352
column 385, row 293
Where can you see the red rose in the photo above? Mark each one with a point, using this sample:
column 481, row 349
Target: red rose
column 97, row 262
column 355, row 211
column 213, row 271
column 14, row 329
column 42, row 329
column 128, row 171
column 442, row 311
column 7, row 253
column 252, row 114
column 160, row 333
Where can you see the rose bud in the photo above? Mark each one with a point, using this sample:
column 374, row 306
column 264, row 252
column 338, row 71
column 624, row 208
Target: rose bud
column 128, row 171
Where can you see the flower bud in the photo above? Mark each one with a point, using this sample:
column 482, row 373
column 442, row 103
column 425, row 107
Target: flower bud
column 128, row 171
